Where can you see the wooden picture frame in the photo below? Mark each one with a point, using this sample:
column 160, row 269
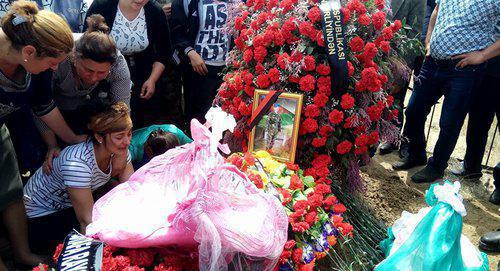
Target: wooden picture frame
column 278, row 130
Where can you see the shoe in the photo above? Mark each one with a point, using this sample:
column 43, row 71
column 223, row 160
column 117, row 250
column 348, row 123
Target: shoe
column 404, row 148
column 490, row 241
column 387, row 148
column 428, row 174
column 408, row 162
column 495, row 197
column 466, row 173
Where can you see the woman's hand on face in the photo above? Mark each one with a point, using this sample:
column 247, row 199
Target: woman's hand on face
column 52, row 153
column 148, row 89
column 197, row 62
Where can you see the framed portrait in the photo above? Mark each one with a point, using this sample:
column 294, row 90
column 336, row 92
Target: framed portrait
column 278, row 129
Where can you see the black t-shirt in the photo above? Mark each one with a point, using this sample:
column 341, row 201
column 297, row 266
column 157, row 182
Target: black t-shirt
column 14, row 97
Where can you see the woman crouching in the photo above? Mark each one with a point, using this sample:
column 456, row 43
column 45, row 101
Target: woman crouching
column 63, row 200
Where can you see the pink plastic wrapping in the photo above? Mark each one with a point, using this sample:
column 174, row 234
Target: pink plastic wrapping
column 189, row 198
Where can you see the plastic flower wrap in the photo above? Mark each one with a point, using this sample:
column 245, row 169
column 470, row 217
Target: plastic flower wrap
column 432, row 240
column 314, row 213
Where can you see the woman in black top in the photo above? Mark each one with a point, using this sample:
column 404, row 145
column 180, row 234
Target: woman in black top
column 140, row 30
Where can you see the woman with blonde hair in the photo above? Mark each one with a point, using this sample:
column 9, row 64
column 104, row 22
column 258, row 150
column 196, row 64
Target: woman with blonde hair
column 63, row 200
column 31, row 41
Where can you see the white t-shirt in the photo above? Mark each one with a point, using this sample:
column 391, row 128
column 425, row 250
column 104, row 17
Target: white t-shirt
column 211, row 42
column 75, row 167
column 130, row 36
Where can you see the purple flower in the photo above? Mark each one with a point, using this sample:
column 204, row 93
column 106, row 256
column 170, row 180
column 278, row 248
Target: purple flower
column 321, row 243
column 328, row 229
column 307, row 253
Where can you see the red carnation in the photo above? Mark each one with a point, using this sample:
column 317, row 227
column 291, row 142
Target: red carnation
column 259, row 68
column 283, row 60
column 350, row 68
column 363, row 19
column 133, row 268
column 361, row 150
column 311, row 218
column 301, row 205
column 336, row 116
column 346, row 14
column 323, row 69
column 339, row 208
column 344, row 147
column 396, row 26
column 312, row 111
column 320, row 99
column 370, row 51
column 310, row 125
column 325, row 131
column 290, row 244
column 374, row 112
column 274, row 75
column 309, row 63
column 374, row 137
column 330, row 201
column 378, row 19
column 285, row 256
column 356, row 44
column 263, row 81
column 319, row 142
column 297, row 255
column 321, row 160
column 307, row 83
column 322, row 189
column 279, row 40
column 314, row 200
column 387, row 33
column 296, row 183
column 141, row 257
column 385, row 47
column 248, row 55
column 314, row 14
column 325, row 85
column 256, row 179
column 380, row 4
column 347, row 101
column 249, row 90
column 361, row 140
column 260, row 53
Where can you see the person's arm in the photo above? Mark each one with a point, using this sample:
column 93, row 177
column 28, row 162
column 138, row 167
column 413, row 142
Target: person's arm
column 82, row 202
column 478, row 57
column 126, row 173
column 56, row 123
column 148, row 88
column 432, row 23
column 120, row 81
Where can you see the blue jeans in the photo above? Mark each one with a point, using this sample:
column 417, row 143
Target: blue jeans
column 438, row 78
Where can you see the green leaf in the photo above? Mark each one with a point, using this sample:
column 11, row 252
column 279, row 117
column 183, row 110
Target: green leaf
column 309, row 181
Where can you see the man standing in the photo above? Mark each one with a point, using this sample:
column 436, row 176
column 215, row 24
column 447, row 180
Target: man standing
column 458, row 44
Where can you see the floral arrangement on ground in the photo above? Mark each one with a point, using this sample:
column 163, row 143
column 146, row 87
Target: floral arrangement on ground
column 279, row 45
column 314, row 213
column 122, row 259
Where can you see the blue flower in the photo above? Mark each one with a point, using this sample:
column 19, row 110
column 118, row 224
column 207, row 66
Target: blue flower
column 328, row 229
column 307, row 253
column 321, row 243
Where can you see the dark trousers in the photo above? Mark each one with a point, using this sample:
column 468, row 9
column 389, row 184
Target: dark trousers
column 485, row 104
column 438, row 78
column 47, row 231
column 200, row 91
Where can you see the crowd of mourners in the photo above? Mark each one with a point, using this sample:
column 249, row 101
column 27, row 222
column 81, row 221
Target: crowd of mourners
column 90, row 95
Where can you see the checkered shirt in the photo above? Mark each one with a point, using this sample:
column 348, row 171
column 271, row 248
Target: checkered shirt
column 464, row 26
